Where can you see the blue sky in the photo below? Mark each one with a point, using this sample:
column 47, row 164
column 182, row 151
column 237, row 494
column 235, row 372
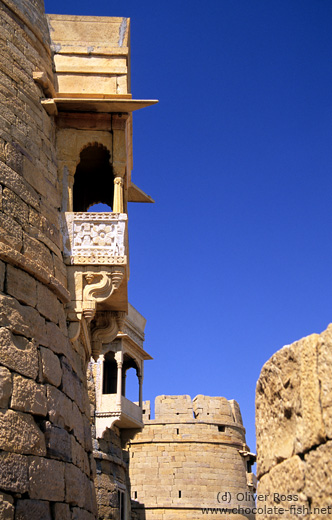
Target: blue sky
column 233, row 261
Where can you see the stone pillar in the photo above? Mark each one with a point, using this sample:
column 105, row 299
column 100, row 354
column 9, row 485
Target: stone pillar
column 118, row 195
column 140, row 390
column 119, row 362
column 119, row 162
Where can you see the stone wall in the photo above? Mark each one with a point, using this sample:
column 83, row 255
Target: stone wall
column 111, row 477
column 46, row 465
column 294, row 429
column 187, row 458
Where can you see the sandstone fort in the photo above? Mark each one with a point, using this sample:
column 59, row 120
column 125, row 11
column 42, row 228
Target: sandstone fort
column 72, row 445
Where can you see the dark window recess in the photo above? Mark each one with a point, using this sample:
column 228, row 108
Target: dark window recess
column 135, row 494
column 221, row 428
column 177, row 431
column 110, row 376
column 94, row 181
column 248, row 467
column 179, row 494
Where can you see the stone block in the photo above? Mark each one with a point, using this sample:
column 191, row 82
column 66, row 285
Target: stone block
column 2, row 271
column 51, row 368
column 11, row 232
column 47, row 303
column 288, row 404
column 6, row 507
column 21, row 285
column 72, row 384
column 58, row 443
column 13, row 472
column 46, row 479
column 60, row 408
column 61, row 512
column 28, row 396
column 18, row 353
column 14, row 206
column 81, row 514
column 324, row 375
column 5, row 387
column 32, row 510
column 78, row 424
column 317, row 475
column 57, row 341
column 20, row 434
column 21, row 319
column 75, row 480
column 38, row 252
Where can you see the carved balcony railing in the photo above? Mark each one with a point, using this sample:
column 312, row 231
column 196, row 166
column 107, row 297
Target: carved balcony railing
column 95, row 238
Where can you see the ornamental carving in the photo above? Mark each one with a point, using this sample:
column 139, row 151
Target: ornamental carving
column 96, row 238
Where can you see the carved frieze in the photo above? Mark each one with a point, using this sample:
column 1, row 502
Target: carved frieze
column 95, row 238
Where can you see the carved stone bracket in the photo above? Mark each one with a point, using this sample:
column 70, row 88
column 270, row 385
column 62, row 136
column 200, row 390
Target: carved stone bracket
column 99, row 287
column 105, row 330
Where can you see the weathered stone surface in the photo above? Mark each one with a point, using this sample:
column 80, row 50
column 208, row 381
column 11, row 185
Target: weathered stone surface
column 14, row 206
column 20, row 434
column 61, row 512
column 78, row 424
column 80, row 514
column 39, row 253
column 32, row 509
column 318, row 472
column 58, row 443
column 6, row 507
column 324, row 375
column 11, row 232
column 57, row 341
column 28, row 396
column 47, row 303
column 18, row 353
column 21, row 285
column 75, row 481
column 2, row 274
column 46, row 479
column 13, row 472
column 71, row 384
column 60, row 408
column 288, row 411
column 51, row 368
column 22, row 319
column 5, row 387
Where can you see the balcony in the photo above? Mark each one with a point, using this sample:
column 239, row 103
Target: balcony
column 95, row 238
column 124, row 415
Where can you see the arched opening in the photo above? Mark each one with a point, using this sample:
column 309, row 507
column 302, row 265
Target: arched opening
column 94, row 182
column 130, row 379
column 110, row 374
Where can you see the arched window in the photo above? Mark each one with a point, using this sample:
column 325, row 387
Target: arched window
column 129, row 378
column 93, row 182
column 110, row 374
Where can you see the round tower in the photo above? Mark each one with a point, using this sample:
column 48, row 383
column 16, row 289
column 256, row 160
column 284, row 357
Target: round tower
column 45, row 440
column 191, row 457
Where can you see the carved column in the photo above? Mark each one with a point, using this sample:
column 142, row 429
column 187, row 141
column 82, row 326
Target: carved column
column 119, row 362
column 118, row 195
column 140, row 391
column 99, row 380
